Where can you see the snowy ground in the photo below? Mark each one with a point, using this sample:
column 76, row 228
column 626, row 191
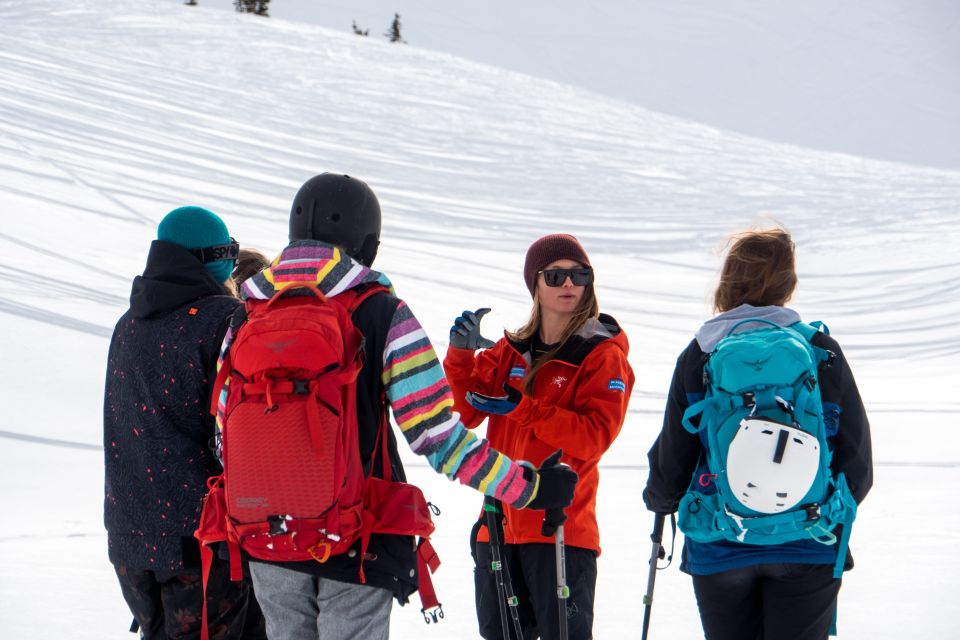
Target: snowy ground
column 109, row 120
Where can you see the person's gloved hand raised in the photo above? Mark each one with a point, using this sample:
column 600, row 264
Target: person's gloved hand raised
column 557, row 484
column 500, row 405
column 465, row 332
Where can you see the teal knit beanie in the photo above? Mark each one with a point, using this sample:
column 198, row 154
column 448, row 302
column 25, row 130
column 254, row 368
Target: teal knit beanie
column 197, row 228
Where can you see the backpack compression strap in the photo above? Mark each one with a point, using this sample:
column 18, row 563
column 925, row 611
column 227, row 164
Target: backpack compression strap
column 428, row 562
column 210, row 531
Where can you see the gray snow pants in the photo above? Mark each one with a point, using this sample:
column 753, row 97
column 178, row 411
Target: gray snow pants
column 300, row 606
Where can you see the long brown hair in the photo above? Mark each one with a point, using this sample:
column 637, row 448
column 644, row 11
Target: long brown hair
column 250, row 262
column 760, row 269
column 587, row 308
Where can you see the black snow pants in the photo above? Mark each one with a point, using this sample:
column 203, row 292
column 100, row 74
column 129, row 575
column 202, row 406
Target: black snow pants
column 768, row 602
column 533, row 570
column 168, row 605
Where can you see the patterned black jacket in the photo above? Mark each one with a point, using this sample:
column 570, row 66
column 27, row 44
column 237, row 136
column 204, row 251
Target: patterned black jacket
column 156, row 421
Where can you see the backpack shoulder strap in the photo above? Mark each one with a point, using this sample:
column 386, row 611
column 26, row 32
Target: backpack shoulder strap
column 353, row 298
column 810, row 330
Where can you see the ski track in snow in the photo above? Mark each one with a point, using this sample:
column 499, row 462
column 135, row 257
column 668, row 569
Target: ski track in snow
column 131, row 136
column 109, row 119
column 36, row 314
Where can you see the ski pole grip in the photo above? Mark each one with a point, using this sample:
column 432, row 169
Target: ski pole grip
column 657, row 535
column 552, row 519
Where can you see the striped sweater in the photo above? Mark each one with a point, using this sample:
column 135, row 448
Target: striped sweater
column 416, row 389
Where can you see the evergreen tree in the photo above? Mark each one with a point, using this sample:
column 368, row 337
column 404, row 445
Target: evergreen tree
column 257, row 7
column 360, row 32
column 190, row 3
column 393, row 33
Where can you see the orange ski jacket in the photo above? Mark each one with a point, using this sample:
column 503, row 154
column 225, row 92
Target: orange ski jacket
column 579, row 403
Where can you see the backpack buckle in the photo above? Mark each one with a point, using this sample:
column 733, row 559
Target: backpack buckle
column 436, row 613
column 749, row 399
column 278, row 525
column 325, row 550
column 811, row 383
column 301, row 387
column 813, row 512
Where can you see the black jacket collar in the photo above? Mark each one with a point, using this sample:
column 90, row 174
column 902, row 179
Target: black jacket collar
column 172, row 278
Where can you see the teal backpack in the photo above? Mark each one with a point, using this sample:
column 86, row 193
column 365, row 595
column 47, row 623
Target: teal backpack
column 768, row 477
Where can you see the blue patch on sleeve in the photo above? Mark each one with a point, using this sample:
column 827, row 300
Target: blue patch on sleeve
column 617, row 384
column 517, row 372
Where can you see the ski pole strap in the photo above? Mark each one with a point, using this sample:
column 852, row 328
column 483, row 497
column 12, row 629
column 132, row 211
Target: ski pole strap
column 673, row 542
column 657, row 535
column 656, row 552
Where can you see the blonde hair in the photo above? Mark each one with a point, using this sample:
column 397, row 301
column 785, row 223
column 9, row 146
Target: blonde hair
column 230, row 286
column 587, row 308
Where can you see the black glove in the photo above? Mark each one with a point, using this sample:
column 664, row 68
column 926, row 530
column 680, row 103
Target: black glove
column 557, row 483
column 551, row 521
column 465, row 332
column 500, row 405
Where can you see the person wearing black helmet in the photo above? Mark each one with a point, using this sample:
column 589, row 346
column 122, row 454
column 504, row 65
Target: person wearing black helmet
column 156, row 429
column 339, row 210
column 334, row 237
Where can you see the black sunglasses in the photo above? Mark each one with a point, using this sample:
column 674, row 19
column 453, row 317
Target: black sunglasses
column 229, row 251
column 580, row 277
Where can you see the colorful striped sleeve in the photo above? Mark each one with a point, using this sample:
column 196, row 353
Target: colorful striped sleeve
column 422, row 406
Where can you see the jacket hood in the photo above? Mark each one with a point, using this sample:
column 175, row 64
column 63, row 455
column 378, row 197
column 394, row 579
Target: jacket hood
column 717, row 328
column 172, row 278
column 314, row 262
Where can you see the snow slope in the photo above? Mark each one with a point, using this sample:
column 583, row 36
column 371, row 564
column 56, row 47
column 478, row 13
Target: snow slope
column 108, row 119
column 875, row 78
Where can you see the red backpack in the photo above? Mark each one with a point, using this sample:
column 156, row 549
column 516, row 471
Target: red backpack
column 293, row 486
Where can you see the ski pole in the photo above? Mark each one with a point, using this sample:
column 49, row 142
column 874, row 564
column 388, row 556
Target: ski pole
column 563, row 591
column 507, row 599
column 655, row 554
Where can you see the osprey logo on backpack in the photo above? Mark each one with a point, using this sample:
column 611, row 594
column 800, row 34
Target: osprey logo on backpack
column 280, row 345
column 757, row 364
column 767, row 457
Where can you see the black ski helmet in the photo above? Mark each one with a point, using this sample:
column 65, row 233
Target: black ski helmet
column 340, row 210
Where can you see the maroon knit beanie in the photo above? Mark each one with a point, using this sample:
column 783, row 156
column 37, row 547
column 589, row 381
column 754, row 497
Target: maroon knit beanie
column 556, row 246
